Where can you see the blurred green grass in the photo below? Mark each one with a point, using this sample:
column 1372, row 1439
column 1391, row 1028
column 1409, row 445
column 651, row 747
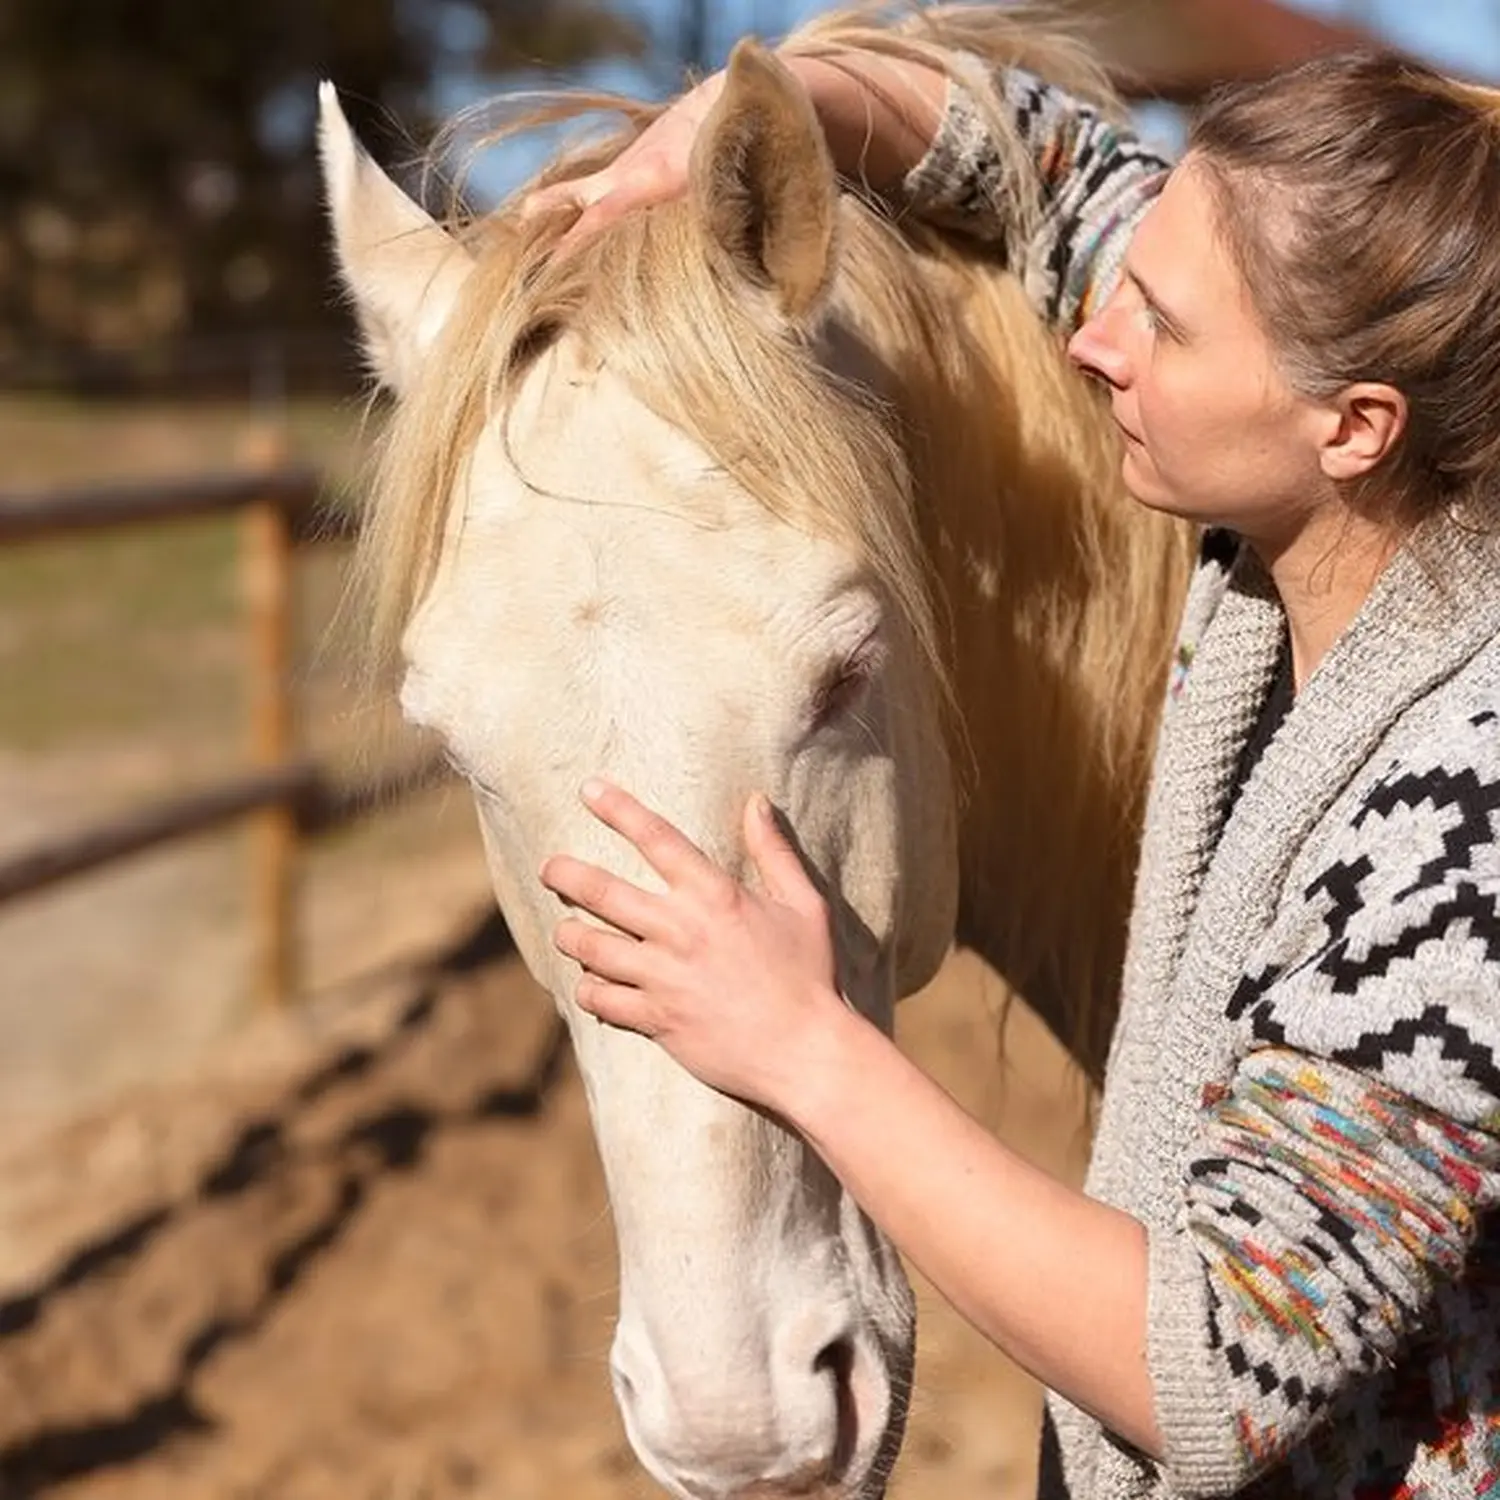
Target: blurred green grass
column 136, row 631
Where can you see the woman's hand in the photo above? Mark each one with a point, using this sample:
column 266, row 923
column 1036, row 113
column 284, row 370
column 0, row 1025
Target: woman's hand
column 878, row 113
column 738, row 985
column 652, row 169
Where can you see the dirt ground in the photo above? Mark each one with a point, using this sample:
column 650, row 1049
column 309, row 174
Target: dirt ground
column 363, row 1252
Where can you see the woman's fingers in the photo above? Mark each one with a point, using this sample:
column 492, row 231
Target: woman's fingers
column 617, row 901
column 588, row 223
column 607, row 955
column 781, row 869
column 652, row 169
column 674, row 856
column 615, row 1004
column 575, row 192
column 604, row 196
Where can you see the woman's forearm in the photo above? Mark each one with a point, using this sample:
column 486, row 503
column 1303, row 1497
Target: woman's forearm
column 1054, row 1278
column 880, row 113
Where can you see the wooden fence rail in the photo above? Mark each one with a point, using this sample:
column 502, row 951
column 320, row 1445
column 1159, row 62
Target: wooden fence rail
column 288, row 797
column 292, row 491
column 318, row 805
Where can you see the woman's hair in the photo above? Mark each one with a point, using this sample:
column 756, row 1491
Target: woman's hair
column 1360, row 194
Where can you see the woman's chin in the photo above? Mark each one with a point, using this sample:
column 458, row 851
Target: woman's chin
column 1140, row 478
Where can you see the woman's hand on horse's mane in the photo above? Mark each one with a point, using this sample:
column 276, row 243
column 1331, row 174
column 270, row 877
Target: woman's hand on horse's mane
column 738, row 985
column 879, row 115
column 652, row 169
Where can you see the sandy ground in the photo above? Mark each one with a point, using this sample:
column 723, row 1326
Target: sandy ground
column 362, row 1251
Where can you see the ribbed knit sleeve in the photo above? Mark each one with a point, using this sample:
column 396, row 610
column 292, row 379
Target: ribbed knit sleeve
column 1338, row 1183
column 1096, row 180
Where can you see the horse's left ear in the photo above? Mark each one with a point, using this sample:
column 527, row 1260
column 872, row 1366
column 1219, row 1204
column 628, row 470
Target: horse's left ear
column 403, row 272
column 764, row 184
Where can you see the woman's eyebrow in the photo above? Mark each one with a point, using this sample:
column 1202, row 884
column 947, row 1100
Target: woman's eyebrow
column 1174, row 323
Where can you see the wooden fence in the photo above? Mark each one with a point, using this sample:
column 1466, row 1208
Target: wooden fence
column 288, row 797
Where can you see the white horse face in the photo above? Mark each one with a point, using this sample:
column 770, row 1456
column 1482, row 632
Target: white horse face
column 623, row 614
column 608, row 602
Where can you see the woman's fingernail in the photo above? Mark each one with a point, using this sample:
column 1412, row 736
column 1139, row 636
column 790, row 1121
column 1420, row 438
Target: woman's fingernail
column 592, row 789
column 762, row 807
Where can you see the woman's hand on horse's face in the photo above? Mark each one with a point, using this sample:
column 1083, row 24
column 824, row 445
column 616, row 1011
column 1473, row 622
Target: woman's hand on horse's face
column 652, row 169
column 738, row 985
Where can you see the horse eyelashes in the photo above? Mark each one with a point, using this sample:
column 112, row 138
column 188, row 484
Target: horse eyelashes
column 839, row 691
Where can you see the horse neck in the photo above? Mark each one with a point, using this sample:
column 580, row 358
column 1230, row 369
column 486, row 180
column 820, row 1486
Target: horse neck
column 1061, row 598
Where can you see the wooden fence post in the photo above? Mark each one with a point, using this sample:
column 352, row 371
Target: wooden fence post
column 266, row 572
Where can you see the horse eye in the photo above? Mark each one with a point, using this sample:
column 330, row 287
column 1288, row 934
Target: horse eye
column 835, row 695
column 843, row 686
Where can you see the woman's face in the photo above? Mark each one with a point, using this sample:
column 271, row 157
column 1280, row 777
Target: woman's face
column 1213, row 431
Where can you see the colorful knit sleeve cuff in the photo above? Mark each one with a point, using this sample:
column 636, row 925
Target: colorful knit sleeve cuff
column 1094, row 180
column 948, row 185
column 1202, row 1455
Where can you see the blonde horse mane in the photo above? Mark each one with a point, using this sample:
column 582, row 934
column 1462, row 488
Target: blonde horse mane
column 641, row 296
column 1033, row 549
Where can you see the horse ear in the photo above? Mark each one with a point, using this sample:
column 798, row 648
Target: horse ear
column 764, row 184
column 402, row 271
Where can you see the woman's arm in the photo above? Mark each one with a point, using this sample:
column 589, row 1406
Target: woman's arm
column 1054, row 1278
column 905, row 131
column 880, row 115
column 1095, row 179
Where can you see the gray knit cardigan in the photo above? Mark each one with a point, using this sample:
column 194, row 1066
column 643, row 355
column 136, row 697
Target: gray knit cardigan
column 1302, row 1102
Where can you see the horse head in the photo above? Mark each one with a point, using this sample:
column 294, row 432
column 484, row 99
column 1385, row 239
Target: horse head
column 644, row 512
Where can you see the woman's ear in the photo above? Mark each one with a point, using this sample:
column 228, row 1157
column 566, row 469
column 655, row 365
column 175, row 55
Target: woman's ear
column 1371, row 418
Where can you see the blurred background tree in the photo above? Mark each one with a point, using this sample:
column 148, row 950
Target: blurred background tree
column 162, row 227
column 156, row 156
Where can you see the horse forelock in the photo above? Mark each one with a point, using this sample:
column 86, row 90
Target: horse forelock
column 812, row 447
column 817, row 449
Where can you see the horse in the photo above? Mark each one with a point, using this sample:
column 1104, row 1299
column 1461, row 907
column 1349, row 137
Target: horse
column 764, row 488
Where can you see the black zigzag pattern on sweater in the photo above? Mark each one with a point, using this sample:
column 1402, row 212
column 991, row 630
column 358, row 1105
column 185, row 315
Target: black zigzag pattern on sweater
column 1250, row 988
column 1434, row 1023
column 1462, row 903
column 1465, row 903
column 1475, row 800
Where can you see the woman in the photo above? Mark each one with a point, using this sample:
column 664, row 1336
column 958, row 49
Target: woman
column 1281, row 1278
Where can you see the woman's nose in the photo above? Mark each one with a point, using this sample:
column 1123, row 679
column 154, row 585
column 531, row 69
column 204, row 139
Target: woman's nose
column 1097, row 350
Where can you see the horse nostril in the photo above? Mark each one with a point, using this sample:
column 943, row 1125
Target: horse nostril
column 837, row 1359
